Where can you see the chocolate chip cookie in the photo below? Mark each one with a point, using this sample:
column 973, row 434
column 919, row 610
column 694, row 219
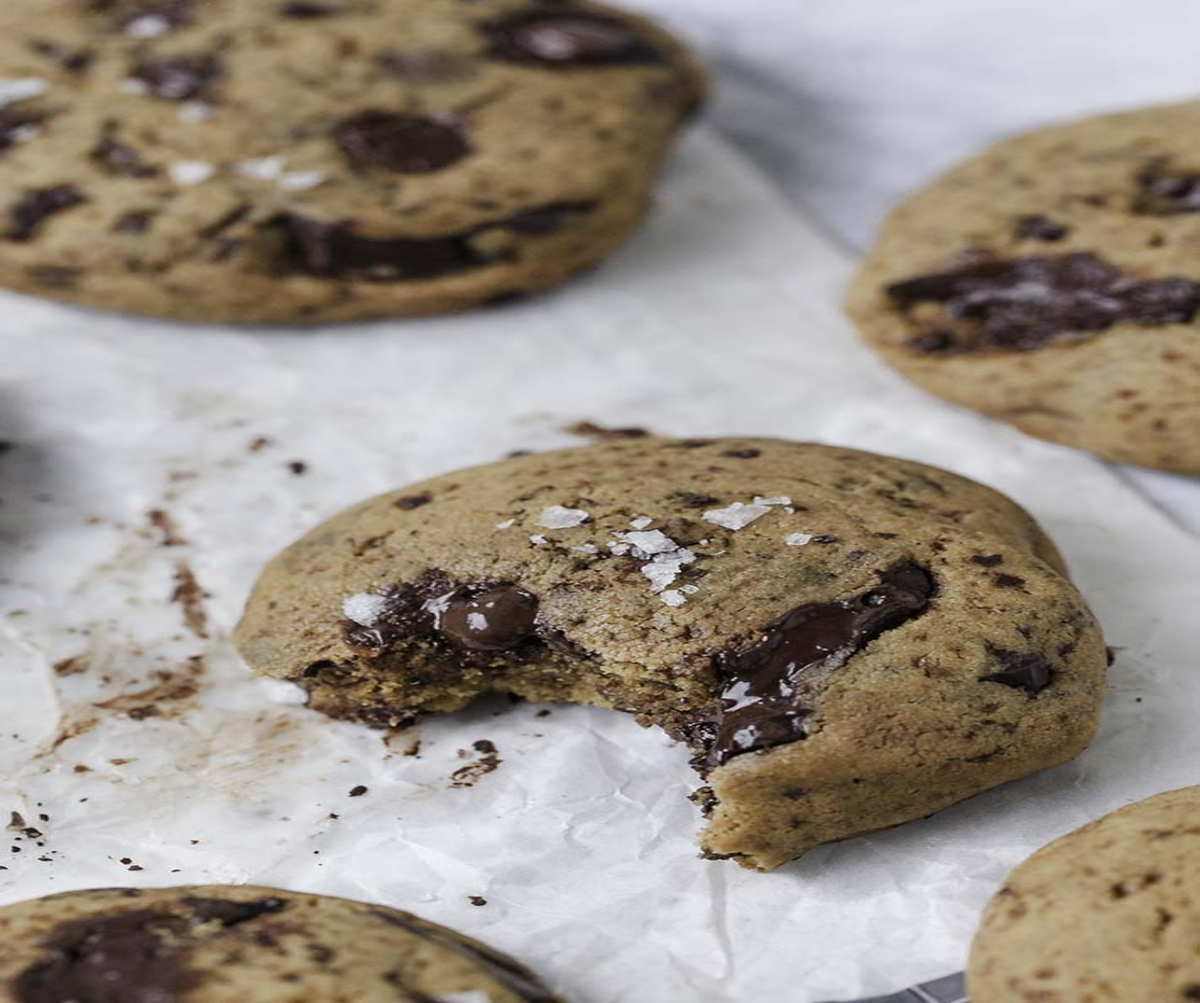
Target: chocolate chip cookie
column 258, row 945
column 846, row 641
column 284, row 162
column 1109, row 912
column 1053, row 283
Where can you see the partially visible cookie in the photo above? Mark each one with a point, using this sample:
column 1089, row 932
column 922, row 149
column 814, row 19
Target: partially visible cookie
column 846, row 641
column 270, row 162
column 1108, row 914
column 212, row 944
column 1053, row 282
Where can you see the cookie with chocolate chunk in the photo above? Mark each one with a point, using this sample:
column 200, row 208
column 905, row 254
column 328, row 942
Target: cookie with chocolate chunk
column 289, row 162
column 846, row 641
column 216, row 943
column 1052, row 282
column 1108, row 912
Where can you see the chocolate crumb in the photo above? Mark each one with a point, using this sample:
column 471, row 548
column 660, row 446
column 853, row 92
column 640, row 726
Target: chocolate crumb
column 359, row 791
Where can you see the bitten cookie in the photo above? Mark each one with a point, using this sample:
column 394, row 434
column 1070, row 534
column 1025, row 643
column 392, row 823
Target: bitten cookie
column 846, row 641
column 1053, row 283
column 257, row 945
column 272, row 162
column 1110, row 912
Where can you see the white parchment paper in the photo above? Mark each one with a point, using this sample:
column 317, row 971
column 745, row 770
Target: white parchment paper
column 153, row 472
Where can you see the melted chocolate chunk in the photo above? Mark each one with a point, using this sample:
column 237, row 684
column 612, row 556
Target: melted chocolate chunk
column 409, row 502
column 333, row 250
column 1165, row 192
column 308, row 11
column 1022, row 671
column 496, row 618
column 568, row 39
column 18, row 124
column 125, row 957
column 1040, row 228
column 121, row 160
column 28, row 215
column 228, row 913
column 769, row 686
column 180, row 78
column 406, row 144
column 1025, row 303
column 517, row 979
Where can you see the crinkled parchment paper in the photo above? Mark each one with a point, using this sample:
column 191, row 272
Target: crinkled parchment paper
column 155, row 467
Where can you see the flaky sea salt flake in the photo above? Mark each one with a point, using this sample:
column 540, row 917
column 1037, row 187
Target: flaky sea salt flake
column 21, row 88
column 798, row 539
column 537, row 539
column 736, row 516
column 260, row 168
column 779, row 500
column 641, row 522
column 298, row 181
column 365, row 608
column 561, row 517
column 673, row 597
column 650, row 542
column 190, row 172
column 506, row 524
column 148, row 26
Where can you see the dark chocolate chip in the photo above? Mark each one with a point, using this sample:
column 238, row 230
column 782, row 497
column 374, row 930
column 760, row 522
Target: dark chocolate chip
column 71, row 60
column 987, row 560
column 1026, row 303
column 121, row 160
column 407, row 144
column 30, row 212
column 230, row 913
column 742, row 454
column 135, row 222
column 1008, row 581
column 495, row 618
column 693, row 499
column 1163, row 192
column 413, row 501
column 769, row 687
column 1040, row 228
column 359, row 791
column 308, row 11
column 568, row 39
column 333, row 250
column 180, row 78
column 1022, row 671
column 18, row 123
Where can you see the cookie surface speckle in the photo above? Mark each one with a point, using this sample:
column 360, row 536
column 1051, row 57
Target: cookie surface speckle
column 1051, row 282
column 808, row 619
column 1110, row 912
column 262, row 162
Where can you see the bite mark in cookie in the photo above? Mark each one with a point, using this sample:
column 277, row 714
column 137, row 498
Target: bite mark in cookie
column 806, row 619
